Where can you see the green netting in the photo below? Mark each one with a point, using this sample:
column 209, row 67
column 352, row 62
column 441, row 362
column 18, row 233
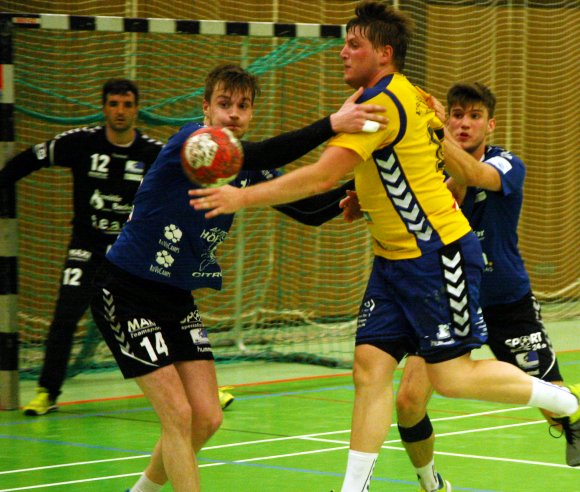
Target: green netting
column 290, row 291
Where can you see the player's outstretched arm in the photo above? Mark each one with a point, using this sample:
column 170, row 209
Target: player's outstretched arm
column 318, row 209
column 334, row 163
column 19, row 166
column 285, row 148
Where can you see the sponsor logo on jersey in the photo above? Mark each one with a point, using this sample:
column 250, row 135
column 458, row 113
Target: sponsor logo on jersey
column 529, row 362
column 368, row 306
column 164, row 261
column 173, row 233
column 501, row 162
column 106, row 226
column 534, row 341
column 443, row 332
column 40, row 151
column 199, row 336
column 443, row 336
column 192, row 320
column 480, row 196
column 109, row 203
column 79, row 254
column 141, row 326
column 164, row 258
column 134, row 170
column 206, row 274
column 214, row 237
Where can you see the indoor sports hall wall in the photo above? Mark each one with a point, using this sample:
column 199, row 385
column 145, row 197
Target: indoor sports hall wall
column 290, row 289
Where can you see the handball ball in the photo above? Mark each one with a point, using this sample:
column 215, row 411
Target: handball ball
column 211, row 157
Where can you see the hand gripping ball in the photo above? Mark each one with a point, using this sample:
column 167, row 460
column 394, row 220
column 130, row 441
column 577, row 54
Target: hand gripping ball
column 211, row 157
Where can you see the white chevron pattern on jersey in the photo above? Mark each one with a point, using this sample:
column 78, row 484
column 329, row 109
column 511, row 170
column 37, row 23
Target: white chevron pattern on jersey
column 402, row 198
column 456, row 288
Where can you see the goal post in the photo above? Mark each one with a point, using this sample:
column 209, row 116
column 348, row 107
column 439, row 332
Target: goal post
column 9, row 387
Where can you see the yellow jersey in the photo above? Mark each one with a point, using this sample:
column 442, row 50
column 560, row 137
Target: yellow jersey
column 400, row 183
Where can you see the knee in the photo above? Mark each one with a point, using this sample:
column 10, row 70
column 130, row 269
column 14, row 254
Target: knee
column 411, row 406
column 206, row 425
column 177, row 419
column 366, row 375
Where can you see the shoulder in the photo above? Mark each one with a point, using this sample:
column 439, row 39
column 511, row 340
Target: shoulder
column 79, row 133
column 147, row 138
column 149, row 141
column 502, row 159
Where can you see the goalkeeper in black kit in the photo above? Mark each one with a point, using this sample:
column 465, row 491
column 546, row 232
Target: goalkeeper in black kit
column 107, row 164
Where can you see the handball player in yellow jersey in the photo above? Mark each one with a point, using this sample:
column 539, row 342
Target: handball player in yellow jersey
column 423, row 293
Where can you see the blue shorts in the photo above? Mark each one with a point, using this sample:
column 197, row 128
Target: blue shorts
column 427, row 305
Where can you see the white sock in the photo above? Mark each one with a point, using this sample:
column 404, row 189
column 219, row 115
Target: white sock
column 427, row 476
column 556, row 399
column 359, row 471
column 145, row 485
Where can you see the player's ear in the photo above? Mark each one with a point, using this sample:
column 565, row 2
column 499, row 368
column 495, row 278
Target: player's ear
column 491, row 125
column 205, row 107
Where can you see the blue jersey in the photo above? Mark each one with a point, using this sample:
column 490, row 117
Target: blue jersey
column 494, row 217
column 165, row 239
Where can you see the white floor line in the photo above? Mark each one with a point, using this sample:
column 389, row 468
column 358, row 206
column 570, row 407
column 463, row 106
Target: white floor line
column 316, row 437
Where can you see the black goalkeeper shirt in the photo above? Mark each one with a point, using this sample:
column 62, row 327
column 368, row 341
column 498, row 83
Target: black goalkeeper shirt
column 105, row 176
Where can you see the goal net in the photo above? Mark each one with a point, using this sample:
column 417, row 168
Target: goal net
column 291, row 292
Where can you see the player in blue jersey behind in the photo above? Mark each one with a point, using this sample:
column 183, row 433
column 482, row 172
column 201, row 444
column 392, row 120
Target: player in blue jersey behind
column 488, row 184
column 423, row 292
column 143, row 304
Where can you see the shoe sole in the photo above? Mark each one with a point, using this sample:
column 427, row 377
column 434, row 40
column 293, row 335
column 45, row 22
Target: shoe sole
column 33, row 413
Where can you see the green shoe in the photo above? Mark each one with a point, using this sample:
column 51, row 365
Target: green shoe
column 226, row 398
column 41, row 404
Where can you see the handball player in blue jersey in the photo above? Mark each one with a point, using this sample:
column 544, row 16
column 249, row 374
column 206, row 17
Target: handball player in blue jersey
column 423, row 293
column 143, row 303
column 488, row 184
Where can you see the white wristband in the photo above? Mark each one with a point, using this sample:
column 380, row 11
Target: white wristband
column 370, row 126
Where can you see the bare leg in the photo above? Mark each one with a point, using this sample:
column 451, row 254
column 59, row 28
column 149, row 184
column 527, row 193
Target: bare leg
column 373, row 405
column 414, row 393
column 486, row 380
column 200, row 382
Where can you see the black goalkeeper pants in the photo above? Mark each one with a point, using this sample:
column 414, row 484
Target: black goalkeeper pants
column 75, row 293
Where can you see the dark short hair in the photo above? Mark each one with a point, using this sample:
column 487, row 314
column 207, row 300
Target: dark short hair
column 383, row 25
column 234, row 79
column 467, row 93
column 120, row 86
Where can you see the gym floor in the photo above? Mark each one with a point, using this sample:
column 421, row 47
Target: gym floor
column 286, row 431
